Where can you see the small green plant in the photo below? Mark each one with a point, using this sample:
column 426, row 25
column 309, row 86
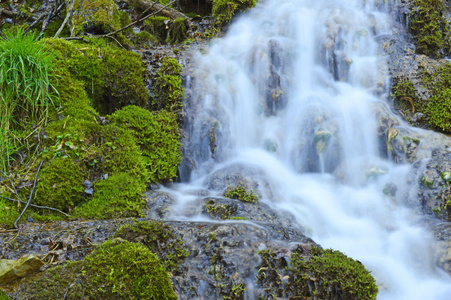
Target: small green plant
column 241, row 193
column 439, row 110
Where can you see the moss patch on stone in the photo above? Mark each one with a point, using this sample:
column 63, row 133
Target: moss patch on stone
column 216, row 210
column 224, row 10
column 159, row 238
column 157, row 135
column 60, row 185
column 167, row 90
column 119, row 196
column 430, row 27
column 112, row 77
column 116, row 269
column 95, row 16
column 165, row 30
column 316, row 273
column 241, row 193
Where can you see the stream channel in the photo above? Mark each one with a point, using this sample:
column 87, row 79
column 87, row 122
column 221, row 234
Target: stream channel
column 287, row 101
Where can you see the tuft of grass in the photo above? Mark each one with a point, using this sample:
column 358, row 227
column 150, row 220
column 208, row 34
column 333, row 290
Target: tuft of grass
column 26, row 82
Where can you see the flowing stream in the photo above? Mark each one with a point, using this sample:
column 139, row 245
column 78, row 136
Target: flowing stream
column 291, row 90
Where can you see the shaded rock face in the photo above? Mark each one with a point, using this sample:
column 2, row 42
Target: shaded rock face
column 434, row 191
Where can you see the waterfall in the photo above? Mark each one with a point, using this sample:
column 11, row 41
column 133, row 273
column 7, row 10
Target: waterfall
column 291, row 91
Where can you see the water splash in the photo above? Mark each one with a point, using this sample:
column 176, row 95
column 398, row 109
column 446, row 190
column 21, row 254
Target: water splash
column 291, row 90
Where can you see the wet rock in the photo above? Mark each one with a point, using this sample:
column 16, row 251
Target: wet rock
column 24, row 266
column 236, row 174
column 433, row 190
column 322, row 138
column 158, row 204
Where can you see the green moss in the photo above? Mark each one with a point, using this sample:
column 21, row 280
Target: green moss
column 59, row 185
column 241, row 193
column 9, row 213
column 116, row 269
column 95, row 16
column 156, row 26
column 119, row 196
column 316, row 273
column 165, row 30
column 157, row 135
column 111, row 77
column 159, row 238
column 4, row 296
column 224, row 10
column 167, row 89
column 217, row 211
column 439, row 110
column 144, row 39
column 430, row 27
column 177, row 31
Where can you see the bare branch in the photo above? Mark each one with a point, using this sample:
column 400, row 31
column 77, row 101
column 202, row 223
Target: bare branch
column 35, row 206
column 31, row 195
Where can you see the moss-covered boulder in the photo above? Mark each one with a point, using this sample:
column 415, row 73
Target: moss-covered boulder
column 167, row 89
column 422, row 94
column 94, row 16
column 430, row 27
column 166, row 30
column 60, row 185
column 112, row 77
column 116, row 269
column 224, row 10
column 119, row 196
column 157, row 135
column 160, row 238
column 314, row 273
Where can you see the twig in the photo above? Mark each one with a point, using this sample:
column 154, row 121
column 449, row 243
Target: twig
column 133, row 23
column 45, row 24
column 68, row 14
column 13, row 186
column 31, row 195
column 33, row 24
column 36, row 206
column 146, row 10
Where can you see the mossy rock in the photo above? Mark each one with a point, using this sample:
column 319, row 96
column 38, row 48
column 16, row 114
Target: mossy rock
column 94, row 16
column 430, row 27
column 60, row 185
column 112, row 77
column 159, row 238
column 241, row 193
column 157, row 135
column 217, row 210
column 224, row 10
column 119, row 196
column 167, row 89
column 116, row 269
column 165, row 30
column 315, row 273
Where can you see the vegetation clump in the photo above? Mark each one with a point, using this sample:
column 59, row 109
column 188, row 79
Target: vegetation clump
column 314, row 272
column 159, row 238
column 167, row 90
column 28, row 91
column 241, row 193
column 112, row 77
column 157, row 135
column 95, row 16
column 224, row 10
column 430, row 27
column 216, row 210
column 116, row 269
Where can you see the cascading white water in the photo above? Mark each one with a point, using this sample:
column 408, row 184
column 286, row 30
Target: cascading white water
column 291, row 89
